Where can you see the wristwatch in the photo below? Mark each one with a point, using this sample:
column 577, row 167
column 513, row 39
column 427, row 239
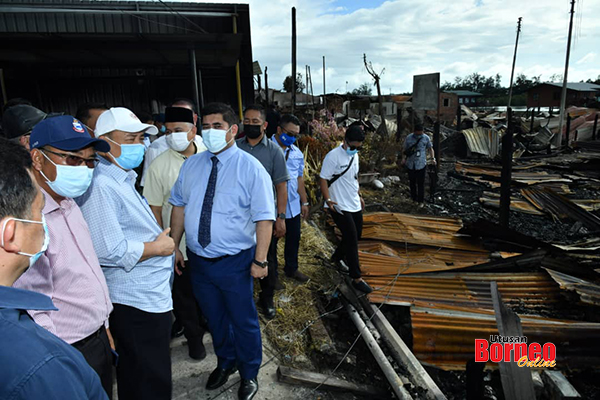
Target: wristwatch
column 263, row 264
column 306, row 204
column 281, row 216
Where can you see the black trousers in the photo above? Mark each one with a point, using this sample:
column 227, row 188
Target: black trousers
column 142, row 340
column 350, row 224
column 96, row 351
column 417, row 184
column 267, row 285
column 185, row 306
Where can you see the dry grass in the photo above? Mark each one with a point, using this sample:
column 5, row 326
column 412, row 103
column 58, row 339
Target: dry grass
column 295, row 304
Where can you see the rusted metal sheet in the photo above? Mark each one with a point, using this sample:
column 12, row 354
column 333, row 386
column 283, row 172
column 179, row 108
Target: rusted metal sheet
column 534, row 291
column 587, row 291
column 417, row 229
column 483, row 141
column 492, row 200
column 560, row 207
column 446, row 338
column 379, row 259
column 523, row 177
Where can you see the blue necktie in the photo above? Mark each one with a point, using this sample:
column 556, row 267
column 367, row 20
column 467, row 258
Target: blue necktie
column 206, row 214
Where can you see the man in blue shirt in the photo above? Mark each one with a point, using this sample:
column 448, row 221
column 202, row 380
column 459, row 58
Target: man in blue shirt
column 224, row 199
column 136, row 256
column 34, row 364
column 414, row 157
column 297, row 202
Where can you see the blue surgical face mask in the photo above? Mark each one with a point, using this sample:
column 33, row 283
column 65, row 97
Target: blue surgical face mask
column 70, row 181
column 351, row 152
column 131, row 156
column 32, row 257
column 163, row 129
column 287, row 140
column 215, row 140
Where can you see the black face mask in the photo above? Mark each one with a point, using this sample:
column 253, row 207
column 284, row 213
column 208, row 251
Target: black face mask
column 252, row 131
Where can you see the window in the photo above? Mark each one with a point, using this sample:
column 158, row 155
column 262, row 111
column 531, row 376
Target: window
column 446, row 102
column 536, row 97
column 460, row 100
column 467, row 100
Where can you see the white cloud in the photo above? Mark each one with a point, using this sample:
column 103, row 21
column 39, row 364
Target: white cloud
column 408, row 37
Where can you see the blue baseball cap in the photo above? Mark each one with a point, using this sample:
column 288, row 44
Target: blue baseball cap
column 65, row 133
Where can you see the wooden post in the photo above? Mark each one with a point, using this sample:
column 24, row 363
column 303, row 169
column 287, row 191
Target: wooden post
column 563, row 97
column 458, row 117
column 436, row 131
column 568, row 129
column 512, row 74
column 531, row 125
column 595, row 132
column 506, row 176
column 267, row 86
column 293, row 59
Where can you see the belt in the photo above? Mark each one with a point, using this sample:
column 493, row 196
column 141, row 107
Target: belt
column 216, row 258
column 94, row 335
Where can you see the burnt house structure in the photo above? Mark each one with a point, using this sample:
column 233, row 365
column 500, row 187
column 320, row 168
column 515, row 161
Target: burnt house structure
column 467, row 97
column 548, row 94
column 137, row 54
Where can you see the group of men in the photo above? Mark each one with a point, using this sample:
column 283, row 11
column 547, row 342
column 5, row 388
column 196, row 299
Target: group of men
column 100, row 265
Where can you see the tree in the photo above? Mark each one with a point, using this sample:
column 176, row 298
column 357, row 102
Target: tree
column 364, row 90
column 287, row 84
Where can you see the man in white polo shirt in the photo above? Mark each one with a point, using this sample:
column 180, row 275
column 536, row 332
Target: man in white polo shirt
column 339, row 185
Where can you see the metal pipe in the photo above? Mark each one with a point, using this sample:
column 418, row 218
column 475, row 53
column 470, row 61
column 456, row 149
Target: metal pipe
column 238, row 79
column 21, row 10
column 195, row 76
column 294, row 88
column 201, row 105
column 391, row 375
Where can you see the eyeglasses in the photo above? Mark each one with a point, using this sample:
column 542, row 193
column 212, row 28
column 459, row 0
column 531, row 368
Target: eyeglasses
column 73, row 160
column 352, row 148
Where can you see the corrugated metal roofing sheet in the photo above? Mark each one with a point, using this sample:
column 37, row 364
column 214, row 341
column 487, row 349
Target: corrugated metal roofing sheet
column 534, row 291
column 483, row 141
column 417, row 229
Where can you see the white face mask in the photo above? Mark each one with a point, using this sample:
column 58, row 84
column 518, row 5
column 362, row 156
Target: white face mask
column 70, row 181
column 178, row 141
column 32, row 257
column 216, row 139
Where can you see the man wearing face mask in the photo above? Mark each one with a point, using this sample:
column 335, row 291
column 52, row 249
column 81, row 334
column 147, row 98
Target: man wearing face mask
column 64, row 156
column 160, row 145
column 339, row 186
column 162, row 175
column 297, row 202
column 34, row 363
column 19, row 120
column 136, row 256
column 271, row 157
column 224, row 198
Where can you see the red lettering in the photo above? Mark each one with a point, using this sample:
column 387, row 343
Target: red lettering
column 496, row 352
column 520, row 350
column 481, row 352
column 535, row 351
column 507, row 348
column 549, row 352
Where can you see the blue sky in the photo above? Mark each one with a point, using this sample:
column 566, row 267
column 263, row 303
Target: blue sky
column 408, row 37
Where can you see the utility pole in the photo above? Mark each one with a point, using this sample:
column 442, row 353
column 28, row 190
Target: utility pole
column 306, row 87
column 267, row 85
column 324, row 92
column 293, row 59
column 563, row 97
column 512, row 74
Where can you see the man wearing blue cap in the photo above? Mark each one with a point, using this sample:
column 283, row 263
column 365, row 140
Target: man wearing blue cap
column 64, row 157
column 137, row 258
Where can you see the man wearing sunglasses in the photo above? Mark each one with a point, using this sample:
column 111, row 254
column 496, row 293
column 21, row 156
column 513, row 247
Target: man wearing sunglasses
column 64, row 157
column 339, row 185
column 136, row 256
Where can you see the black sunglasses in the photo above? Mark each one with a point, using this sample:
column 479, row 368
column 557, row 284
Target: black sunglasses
column 352, row 148
column 75, row 161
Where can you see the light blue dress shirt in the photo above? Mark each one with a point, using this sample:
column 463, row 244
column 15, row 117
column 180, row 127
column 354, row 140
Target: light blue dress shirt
column 244, row 196
column 120, row 222
column 295, row 166
column 419, row 161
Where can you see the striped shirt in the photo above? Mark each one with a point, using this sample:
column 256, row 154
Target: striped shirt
column 120, row 222
column 68, row 273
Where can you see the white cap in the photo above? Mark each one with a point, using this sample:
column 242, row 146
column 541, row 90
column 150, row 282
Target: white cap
column 122, row 119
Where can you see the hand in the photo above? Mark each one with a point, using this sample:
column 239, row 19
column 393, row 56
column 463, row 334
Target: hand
column 258, row 272
column 331, row 203
column 305, row 212
column 110, row 339
column 362, row 203
column 164, row 244
column 279, row 230
column 434, row 161
column 179, row 262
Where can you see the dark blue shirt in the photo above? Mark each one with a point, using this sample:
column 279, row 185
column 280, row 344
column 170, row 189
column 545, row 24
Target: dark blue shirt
column 35, row 364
